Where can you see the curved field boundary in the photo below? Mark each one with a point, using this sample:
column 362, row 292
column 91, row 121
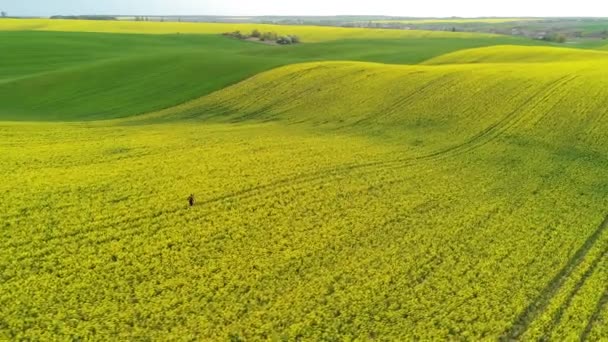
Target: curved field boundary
column 558, row 315
column 601, row 305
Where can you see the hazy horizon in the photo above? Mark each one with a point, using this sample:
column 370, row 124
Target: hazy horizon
column 431, row 8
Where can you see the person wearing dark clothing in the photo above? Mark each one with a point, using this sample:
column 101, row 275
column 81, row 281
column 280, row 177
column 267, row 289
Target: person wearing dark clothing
column 191, row 200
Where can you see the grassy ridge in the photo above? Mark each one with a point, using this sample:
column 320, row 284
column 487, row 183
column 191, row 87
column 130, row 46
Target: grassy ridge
column 29, row 53
column 97, row 76
column 113, row 75
column 114, row 88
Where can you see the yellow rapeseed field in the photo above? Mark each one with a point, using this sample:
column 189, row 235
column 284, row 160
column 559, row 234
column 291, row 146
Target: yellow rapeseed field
column 537, row 123
column 518, row 54
column 306, row 33
column 334, row 201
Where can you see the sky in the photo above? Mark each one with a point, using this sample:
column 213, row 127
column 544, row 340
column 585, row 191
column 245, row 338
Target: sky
column 417, row 8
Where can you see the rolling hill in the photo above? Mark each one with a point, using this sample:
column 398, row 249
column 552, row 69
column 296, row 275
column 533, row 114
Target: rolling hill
column 518, row 54
column 101, row 75
column 414, row 101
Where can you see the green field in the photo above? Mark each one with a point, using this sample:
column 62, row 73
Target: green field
column 94, row 77
column 411, row 187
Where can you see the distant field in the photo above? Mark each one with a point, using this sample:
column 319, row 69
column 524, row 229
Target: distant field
column 579, row 32
column 459, row 20
column 413, row 188
column 307, row 33
column 519, row 54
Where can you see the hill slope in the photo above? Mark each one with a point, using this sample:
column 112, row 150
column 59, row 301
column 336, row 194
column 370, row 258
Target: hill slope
column 335, row 201
column 97, row 76
column 523, row 144
column 456, row 101
column 517, row 54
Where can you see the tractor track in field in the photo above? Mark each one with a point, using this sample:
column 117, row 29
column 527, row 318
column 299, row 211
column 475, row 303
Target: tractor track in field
column 540, row 304
column 599, row 308
column 487, row 135
column 482, row 138
column 99, row 234
column 442, row 79
column 557, row 316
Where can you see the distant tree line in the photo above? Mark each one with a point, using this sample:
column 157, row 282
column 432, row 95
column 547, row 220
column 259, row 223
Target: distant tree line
column 84, row 17
column 555, row 37
column 558, row 30
column 266, row 37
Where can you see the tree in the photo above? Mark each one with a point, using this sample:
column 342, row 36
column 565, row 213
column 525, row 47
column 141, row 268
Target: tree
column 269, row 36
column 555, row 37
column 256, row 34
column 3, row 14
column 295, row 39
column 284, row 40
